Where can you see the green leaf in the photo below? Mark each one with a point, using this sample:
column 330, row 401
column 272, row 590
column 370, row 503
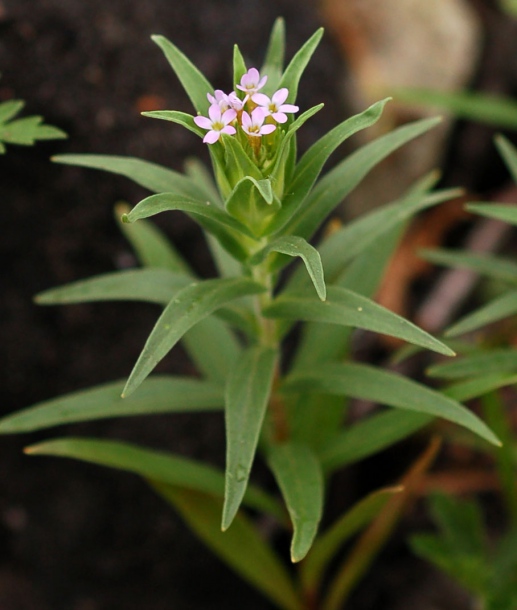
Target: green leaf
column 370, row 436
column 292, row 245
column 483, row 363
column 174, row 116
column 504, row 212
column 152, row 284
column 474, row 388
column 370, row 383
column 336, row 184
column 312, row 162
column 151, row 176
column 160, row 394
column 213, row 347
column 226, row 228
column 247, row 396
column 470, row 105
column 187, row 308
column 278, row 174
column 239, row 164
column 241, row 547
column 199, row 173
column 26, row 131
column 10, row 109
column 151, row 246
column 485, row 264
column 299, row 476
column 252, row 202
column 193, row 81
column 348, row 308
column 359, row 235
column 460, row 548
column 151, row 464
column 502, row 307
column 274, row 61
column 330, row 542
column 239, row 65
column 323, row 342
column 509, row 154
column 297, row 65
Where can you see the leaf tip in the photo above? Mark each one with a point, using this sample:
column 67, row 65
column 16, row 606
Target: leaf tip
column 125, row 218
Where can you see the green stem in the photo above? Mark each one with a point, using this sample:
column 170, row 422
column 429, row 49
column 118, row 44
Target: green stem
column 497, row 419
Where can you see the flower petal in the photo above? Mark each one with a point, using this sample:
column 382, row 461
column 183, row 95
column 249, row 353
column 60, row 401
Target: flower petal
column 214, row 112
column 280, row 96
column 211, row 137
column 265, row 129
column 203, row 122
column 260, row 99
column 228, row 116
column 229, row 129
column 279, row 117
column 288, row 108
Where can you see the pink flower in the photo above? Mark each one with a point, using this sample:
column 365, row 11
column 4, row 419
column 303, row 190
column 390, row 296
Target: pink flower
column 235, row 102
column 218, row 123
column 275, row 106
column 251, row 81
column 220, row 99
column 254, row 125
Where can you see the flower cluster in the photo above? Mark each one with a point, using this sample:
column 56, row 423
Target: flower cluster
column 256, row 114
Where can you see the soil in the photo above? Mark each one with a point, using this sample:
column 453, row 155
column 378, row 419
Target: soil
column 74, row 536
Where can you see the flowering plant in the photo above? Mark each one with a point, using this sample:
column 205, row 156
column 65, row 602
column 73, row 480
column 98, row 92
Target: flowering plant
column 261, row 210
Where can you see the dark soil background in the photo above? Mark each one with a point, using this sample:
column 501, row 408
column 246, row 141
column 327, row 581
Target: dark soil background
column 75, row 537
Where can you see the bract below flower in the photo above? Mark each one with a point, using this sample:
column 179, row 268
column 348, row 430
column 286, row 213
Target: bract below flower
column 218, row 123
column 275, row 106
column 254, row 125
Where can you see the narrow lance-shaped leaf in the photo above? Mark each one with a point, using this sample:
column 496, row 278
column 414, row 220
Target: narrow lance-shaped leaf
column 193, row 81
column 370, row 436
column 474, row 388
column 473, row 365
column 151, row 285
column 299, row 476
column 504, row 212
column 278, row 172
column 297, row 65
column 370, row 542
column 292, row 245
column 187, row 308
column 348, row 308
column 370, row 383
column 312, row 162
column 160, row 394
column 151, row 176
column 502, row 307
column 334, row 186
column 226, row 228
column 151, row 246
column 329, row 542
column 241, row 547
column 213, row 347
column 484, row 264
column 470, row 105
column 509, row 154
column 247, row 396
column 175, row 116
column 239, row 65
column 252, row 202
column 151, row 464
column 274, row 61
